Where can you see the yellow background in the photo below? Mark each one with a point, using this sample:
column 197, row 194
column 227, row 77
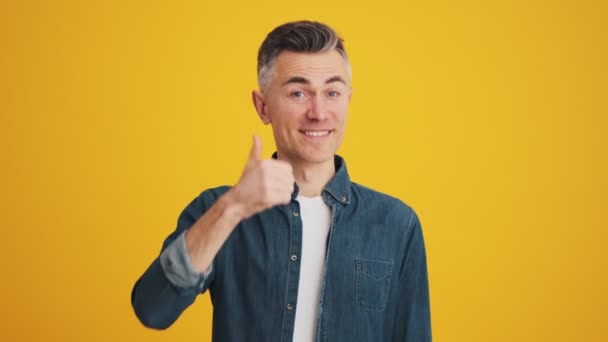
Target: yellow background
column 489, row 118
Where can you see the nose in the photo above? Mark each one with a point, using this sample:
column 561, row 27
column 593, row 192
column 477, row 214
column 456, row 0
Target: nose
column 317, row 110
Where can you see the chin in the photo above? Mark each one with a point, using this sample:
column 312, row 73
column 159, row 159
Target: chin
column 317, row 158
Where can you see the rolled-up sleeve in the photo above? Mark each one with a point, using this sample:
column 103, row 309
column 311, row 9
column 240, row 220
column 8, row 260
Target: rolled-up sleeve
column 176, row 264
column 170, row 284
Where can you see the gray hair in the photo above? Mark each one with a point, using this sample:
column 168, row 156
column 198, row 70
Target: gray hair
column 298, row 36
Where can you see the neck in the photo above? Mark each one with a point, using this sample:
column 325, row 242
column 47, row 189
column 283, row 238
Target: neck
column 312, row 178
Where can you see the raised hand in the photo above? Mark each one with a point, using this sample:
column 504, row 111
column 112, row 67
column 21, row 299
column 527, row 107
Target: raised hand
column 264, row 183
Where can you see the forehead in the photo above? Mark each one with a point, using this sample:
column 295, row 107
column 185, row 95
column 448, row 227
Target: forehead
column 312, row 66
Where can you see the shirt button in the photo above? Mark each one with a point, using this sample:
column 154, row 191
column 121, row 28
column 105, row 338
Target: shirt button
column 342, row 199
column 295, row 213
column 289, row 306
column 294, row 257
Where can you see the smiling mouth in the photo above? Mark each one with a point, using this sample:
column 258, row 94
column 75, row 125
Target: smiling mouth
column 321, row 133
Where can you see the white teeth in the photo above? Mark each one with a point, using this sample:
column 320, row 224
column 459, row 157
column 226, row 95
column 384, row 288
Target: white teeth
column 316, row 133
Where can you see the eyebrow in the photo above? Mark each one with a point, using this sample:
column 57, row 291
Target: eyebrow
column 299, row 79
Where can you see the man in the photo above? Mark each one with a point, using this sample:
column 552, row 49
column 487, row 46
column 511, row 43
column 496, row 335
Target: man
column 295, row 251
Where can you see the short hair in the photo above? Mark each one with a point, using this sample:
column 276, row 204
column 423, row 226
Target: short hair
column 298, row 36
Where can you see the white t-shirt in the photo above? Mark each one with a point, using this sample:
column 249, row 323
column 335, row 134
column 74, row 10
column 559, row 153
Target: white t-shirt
column 316, row 219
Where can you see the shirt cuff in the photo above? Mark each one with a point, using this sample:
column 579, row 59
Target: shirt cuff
column 176, row 264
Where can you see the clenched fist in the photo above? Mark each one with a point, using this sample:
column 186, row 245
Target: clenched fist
column 264, row 183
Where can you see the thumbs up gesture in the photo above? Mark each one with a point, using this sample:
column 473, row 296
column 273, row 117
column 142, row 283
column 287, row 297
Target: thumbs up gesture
column 263, row 183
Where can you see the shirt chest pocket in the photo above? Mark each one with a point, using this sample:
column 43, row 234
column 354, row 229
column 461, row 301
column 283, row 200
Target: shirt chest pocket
column 373, row 279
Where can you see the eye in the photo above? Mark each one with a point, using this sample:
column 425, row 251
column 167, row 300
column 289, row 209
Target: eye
column 297, row 93
column 333, row 93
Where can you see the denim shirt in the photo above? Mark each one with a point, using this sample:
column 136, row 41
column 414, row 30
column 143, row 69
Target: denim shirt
column 375, row 287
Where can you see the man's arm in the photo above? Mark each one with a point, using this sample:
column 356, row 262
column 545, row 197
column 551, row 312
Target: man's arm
column 172, row 282
column 413, row 321
column 185, row 265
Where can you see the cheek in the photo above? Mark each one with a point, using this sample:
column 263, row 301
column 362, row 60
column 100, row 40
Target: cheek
column 282, row 118
column 340, row 110
column 292, row 107
column 286, row 113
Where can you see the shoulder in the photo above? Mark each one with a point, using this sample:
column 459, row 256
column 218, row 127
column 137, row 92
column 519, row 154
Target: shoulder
column 366, row 194
column 212, row 194
column 204, row 200
column 385, row 204
column 209, row 196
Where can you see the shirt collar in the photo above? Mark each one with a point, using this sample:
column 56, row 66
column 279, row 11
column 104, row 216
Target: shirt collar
column 339, row 185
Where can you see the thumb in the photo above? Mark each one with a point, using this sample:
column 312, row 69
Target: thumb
column 256, row 149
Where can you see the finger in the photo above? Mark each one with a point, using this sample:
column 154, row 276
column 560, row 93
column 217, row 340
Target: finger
column 285, row 178
column 256, row 149
column 288, row 183
column 282, row 166
column 282, row 187
column 282, row 163
column 279, row 194
column 280, row 175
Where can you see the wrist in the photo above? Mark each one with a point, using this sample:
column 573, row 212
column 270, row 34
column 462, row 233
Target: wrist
column 232, row 206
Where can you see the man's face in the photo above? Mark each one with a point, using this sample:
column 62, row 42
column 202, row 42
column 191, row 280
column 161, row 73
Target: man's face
column 306, row 102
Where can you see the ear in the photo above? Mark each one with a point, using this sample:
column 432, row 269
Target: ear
column 260, row 106
column 350, row 94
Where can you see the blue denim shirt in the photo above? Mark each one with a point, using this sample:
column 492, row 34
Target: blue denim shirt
column 375, row 287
